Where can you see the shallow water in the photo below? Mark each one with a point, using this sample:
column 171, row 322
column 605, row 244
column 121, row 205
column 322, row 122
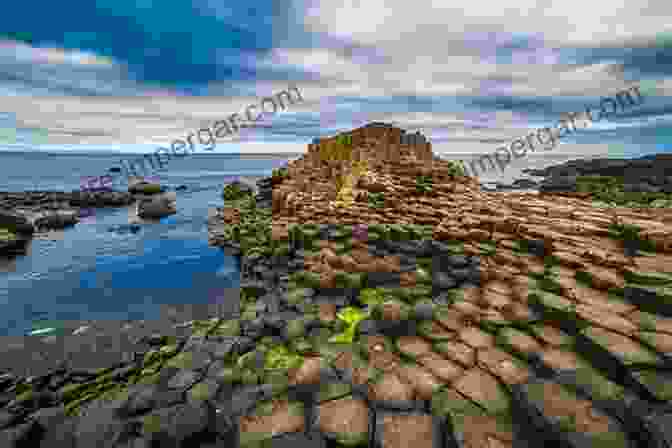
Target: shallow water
column 100, row 269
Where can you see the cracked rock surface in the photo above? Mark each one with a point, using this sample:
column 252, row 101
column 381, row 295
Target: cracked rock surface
column 451, row 317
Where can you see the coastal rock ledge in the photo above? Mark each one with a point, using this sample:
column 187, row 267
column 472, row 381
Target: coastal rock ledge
column 417, row 310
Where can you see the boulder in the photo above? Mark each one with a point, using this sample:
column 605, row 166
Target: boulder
column 158, row 206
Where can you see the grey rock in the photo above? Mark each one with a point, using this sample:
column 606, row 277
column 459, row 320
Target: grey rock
column 158, row 206
column 98, row 427
column 368, row 326
column 224, row 347
column 200, row 359
column 274, row 321
column 6, row 380
column 184, row 379
column 25, row 435
column 442, row 298
column 178, row 424
column 123, row 372
column 461, row 275
column 457, row 261
column 244, row 344
column 214, row 368
column 241, row 401
column 424, row 311
column 6, row 418
column 146, row 398
column 442, row 280
column 302, row 440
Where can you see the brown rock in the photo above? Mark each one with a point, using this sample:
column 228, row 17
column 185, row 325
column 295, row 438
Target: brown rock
column 495, row 299
column 604, row 278
column 478, row 385
column 282, row 420
column 413, row 346
column 423, row 381
column 403, row 431
column 344, row 416
column 450, row 321
column 606, row 319
column 327, row 312
column 361, row 256
column 476, row 338
column 391, row 311
column 522, row 342
column 442, row 368
column 308, row 373
column 560, row 359
column 502, row 365
column 390, row 388
column 385, row 361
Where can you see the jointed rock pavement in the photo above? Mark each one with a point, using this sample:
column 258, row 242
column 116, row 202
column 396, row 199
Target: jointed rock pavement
column 448, row 316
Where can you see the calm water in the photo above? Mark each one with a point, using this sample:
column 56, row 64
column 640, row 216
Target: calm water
column 99, row 270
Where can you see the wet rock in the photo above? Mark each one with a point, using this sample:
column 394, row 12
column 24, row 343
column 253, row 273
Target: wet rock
column 184, row 379
column 157, row 207
column 146, row 398
column 177, row 425
column 241, row 400
column 97, row 426
column 443, row 281
column 25, row 435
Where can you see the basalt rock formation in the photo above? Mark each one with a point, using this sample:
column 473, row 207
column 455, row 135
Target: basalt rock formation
column 426, row 313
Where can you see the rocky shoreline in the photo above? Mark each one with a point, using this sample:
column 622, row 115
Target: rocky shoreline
column 426, row 312
column 22, row 214
column 640, row 181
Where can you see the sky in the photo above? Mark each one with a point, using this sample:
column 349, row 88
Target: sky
column 471, row 76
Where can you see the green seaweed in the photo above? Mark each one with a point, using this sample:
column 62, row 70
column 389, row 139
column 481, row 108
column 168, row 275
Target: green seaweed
column 280, row 357
column 351, row 317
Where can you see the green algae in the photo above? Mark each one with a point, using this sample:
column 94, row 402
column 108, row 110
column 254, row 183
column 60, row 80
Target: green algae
column 424, row 184
column 351, row 317
column 647, row 278
column 71, row 391
column 280, row 357
column 202, row 391
column 182, row 360
column 333, row 390
column 249, row 377
column 151, row 423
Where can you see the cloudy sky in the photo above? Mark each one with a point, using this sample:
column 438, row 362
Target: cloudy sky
column 137, row 74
